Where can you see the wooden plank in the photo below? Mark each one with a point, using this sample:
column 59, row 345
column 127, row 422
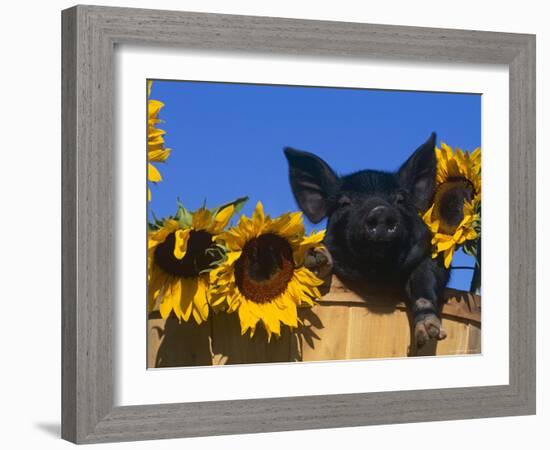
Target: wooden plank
column 378, row 324
column 343, row 325
column 462, row 305
column 380, row 332
column 474, row 342
column 457, row 304
column 175, row 344
column 456, row 342
column 230, row 347
column 317, row 334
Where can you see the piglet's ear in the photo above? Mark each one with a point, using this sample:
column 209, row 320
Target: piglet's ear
column 417, row 175
column 312, row 181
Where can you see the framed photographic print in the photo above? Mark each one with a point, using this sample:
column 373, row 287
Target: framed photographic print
column 294, row 209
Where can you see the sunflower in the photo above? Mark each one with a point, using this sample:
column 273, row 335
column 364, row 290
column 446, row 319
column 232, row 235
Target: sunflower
column 263, row 277
column 155, row 140
column 447, row 243
column 454, row 216
column 181, row 254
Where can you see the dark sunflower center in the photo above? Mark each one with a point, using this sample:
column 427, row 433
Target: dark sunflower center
column 195, row 260
column 264, row 268
column 449, row 202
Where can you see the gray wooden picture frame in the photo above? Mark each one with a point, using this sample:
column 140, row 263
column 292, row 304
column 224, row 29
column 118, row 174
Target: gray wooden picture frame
column 89, row 37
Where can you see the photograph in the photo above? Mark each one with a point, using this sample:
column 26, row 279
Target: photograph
column 309, row 223
column 259, row 225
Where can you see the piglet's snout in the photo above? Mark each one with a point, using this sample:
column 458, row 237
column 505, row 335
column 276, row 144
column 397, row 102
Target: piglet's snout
column 382, row 223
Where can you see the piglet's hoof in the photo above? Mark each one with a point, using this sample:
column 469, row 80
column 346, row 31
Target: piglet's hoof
column 428, row 328
column 319, row 261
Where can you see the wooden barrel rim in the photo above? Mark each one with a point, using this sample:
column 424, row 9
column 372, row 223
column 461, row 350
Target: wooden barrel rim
column 459, row 305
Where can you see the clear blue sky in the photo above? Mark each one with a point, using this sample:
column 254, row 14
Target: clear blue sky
column 227, row 139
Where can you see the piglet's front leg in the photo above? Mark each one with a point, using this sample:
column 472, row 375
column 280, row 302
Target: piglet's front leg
column 424, row 290
column 319, row 261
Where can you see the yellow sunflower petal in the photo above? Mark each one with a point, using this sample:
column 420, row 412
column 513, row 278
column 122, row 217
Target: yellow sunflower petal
column 153, row 174
column 189, row 287
column 234, row 240
column 258, row 218
column 222, row 219
column 448, row 151
column 445, row 243
column 471, row 235
column 197, row 316
column 247, row 320
column 158, row 155
column 159, row 236
column 180, row 244
column 234, row 301
column 217, row 300
column 270, row 320
column 176, row 296
column 202, row 219
column 165, row 306
column 288, row 313
column 288, row 226
column 307, row 278
column 154, row 107
column 434, row 226
column 156, row 282
column 201, row 300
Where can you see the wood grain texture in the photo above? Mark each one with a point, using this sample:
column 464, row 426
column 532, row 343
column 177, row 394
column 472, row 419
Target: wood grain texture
column 89, row 37
column 349, row 325
column 522, row 181
column 230, row 347
column 341, row 326
column 68, row 225
column 88, row 240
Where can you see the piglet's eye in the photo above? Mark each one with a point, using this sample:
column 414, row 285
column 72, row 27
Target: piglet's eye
column 399, row 199
column 344, row 201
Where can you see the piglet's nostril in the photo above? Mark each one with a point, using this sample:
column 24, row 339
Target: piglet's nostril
column 391, row 228
column 391, row 225
column 372, row 223
column 381, row 223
